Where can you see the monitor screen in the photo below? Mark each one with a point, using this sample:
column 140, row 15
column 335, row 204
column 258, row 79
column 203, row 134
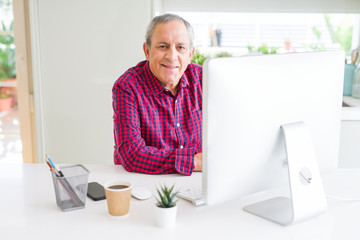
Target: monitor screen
column 245, row 102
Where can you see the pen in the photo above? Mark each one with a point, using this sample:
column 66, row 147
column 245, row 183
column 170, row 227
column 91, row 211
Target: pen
column 53, row 165
column 51, row 168
column 54, row 171
column 48, row 158
column 68, row 189
column 47, row 162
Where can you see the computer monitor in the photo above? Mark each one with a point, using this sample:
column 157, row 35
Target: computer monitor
column 247, row 99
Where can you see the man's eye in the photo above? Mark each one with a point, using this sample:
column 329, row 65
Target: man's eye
column 162, row 46
column 181, row 47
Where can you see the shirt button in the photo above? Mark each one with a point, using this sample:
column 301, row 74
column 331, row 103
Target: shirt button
column 181, row 146
column 176, row 101
column 178, row 124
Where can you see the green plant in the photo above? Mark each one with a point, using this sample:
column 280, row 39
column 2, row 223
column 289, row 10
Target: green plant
column 223, row 54
column 167, row 197
column 250, row 48
column 264, row 49
column 342, row 34
column 317, row 46
column 7, row 63
column 199, row 58
column 5, row 92
column 7, row 53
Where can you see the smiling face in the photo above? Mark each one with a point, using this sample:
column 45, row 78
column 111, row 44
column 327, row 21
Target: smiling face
column 169, row 53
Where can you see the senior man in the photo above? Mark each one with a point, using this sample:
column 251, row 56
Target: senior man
column 158, row 104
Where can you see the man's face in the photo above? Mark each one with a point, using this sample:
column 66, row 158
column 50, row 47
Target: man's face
column 170, row 53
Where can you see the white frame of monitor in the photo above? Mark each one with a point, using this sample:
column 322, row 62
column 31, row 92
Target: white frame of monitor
column 301, row 214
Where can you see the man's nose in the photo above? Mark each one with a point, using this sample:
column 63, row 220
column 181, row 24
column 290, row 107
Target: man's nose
column 171, row 54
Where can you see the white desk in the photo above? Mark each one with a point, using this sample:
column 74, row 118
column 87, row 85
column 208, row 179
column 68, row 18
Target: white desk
column 28, row 210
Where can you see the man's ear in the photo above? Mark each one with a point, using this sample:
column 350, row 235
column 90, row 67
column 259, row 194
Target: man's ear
column 146, row 51
column 192, row 53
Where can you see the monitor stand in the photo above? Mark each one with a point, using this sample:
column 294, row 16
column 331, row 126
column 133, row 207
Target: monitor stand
column 306, row 190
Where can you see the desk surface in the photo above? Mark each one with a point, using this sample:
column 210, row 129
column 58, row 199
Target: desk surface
column 28, row 210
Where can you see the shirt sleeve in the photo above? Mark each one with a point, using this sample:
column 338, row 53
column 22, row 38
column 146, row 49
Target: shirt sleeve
column 131, row 149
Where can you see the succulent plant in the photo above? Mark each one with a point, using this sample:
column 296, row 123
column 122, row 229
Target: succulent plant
column 167, row 197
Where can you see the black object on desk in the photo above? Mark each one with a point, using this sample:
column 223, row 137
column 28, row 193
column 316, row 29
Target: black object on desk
column 96, row 191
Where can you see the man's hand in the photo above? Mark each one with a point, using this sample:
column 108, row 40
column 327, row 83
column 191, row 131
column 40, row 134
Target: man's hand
column 198, row 162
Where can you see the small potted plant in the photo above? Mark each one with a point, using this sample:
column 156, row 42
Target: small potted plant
column 166, row 207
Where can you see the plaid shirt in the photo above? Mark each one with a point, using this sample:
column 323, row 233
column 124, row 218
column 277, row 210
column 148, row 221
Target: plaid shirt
column 155, row 131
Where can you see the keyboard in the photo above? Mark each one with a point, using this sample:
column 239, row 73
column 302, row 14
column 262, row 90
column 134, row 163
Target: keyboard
column 193, row 195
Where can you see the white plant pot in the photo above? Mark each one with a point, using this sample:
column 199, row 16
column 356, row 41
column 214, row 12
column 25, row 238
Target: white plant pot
column 165, row 217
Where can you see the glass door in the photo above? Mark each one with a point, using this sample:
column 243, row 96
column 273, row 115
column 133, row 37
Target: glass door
column 10, row 141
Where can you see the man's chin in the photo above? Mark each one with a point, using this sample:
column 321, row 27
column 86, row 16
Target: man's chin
column 169, row 80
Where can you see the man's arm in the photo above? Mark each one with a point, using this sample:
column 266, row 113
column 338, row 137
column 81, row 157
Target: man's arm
column 198, row 162
column 131, row 148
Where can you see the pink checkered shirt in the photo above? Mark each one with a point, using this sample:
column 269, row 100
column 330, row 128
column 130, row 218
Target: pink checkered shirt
column 156, row 132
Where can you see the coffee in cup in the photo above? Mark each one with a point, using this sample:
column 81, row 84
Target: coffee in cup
column 118, row 194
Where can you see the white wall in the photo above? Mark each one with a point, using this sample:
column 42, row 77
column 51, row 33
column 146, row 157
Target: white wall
column 349, row 144
column 79, row 49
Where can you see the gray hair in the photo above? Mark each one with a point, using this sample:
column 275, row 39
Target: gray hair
column 164, row 19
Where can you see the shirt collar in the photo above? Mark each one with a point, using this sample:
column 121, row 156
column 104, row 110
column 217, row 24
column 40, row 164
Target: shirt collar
column 184, row 82
column 155, row 85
